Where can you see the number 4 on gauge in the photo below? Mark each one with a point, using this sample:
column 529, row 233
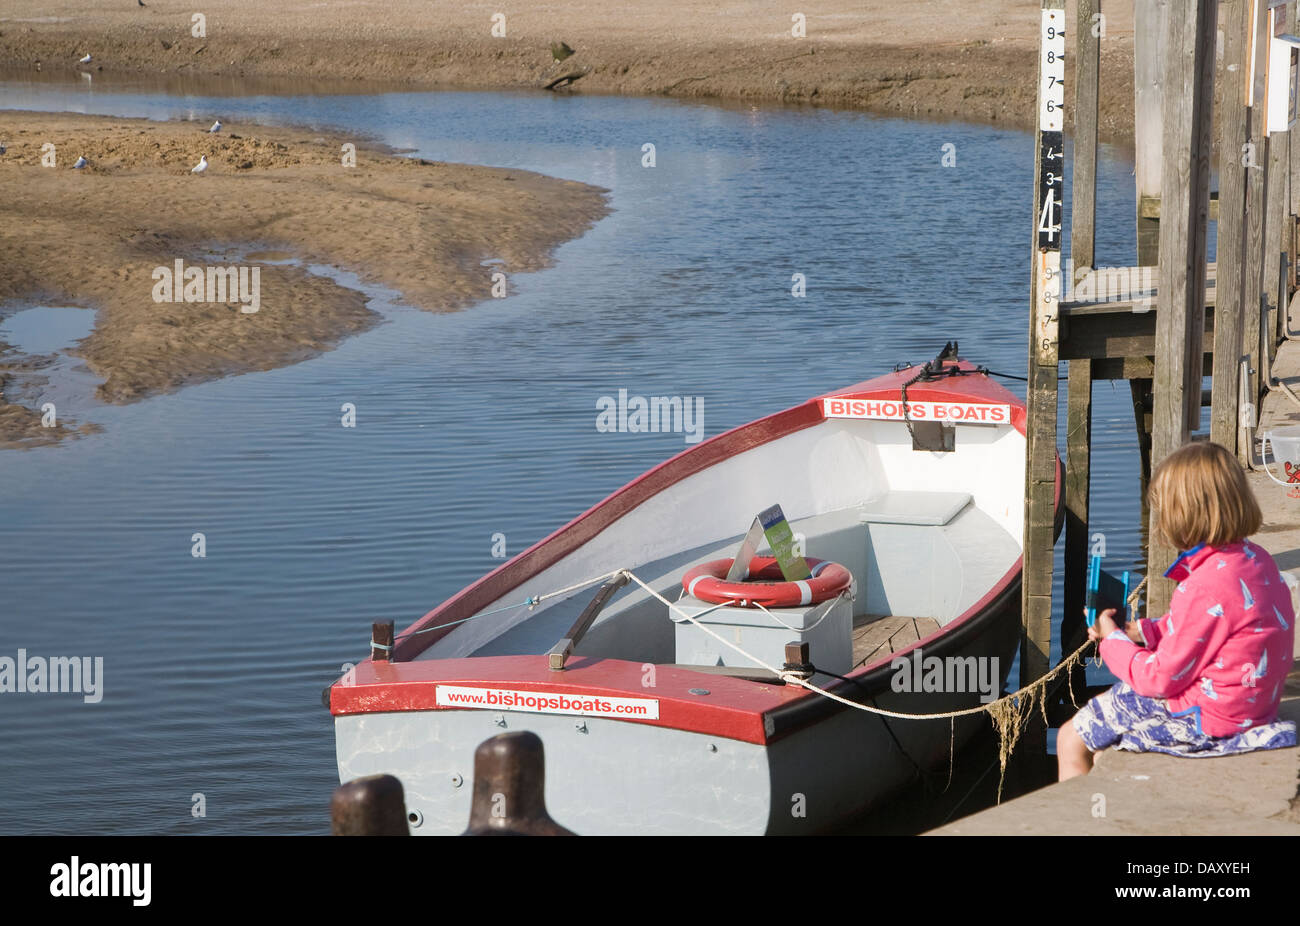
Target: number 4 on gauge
column 1045, row 224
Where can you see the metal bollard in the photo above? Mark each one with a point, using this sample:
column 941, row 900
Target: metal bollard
column 371, row 806
column 509, row 788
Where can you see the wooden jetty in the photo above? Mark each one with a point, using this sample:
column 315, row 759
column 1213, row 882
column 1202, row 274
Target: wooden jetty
column 1173, row 317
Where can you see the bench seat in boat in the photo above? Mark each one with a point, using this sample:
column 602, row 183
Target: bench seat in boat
column 930, row 555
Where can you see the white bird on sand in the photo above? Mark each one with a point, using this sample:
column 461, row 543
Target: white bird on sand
column 85, row 60
column 201, row 166
column 216, row 127
column 81, row 162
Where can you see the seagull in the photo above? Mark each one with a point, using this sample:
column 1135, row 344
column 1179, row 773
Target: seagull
column 201, row 166
column 3, row 149
column 85, row 60
column 81, row 162
column 216, row 127
column 141, row 2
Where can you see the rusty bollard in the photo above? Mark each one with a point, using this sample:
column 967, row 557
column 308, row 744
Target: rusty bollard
column 369, row 806
column 509, row 788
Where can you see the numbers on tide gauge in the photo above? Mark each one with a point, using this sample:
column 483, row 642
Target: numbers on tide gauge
column 1049, row 224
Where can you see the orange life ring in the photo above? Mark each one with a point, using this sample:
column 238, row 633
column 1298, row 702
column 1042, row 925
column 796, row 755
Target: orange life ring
column 765, row 585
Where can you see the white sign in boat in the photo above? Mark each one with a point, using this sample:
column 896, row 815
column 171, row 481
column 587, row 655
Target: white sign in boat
column 547, row 702
column 917, row 410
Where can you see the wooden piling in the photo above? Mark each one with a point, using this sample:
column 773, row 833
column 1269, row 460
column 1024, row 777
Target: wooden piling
column 1149, row 26
column 1150, row 19
column 1233, row 136
column 1083, row 224
column 1078, row 449
column 1040, row 400
column 1184, row 216
column 1083, row 169
column 1256, row 198
column 1279, row 162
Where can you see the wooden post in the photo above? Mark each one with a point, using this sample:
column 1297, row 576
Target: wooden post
column 1044, row 353
column 1293, row 189
column 1149, row 25
column 381, row 641
column 1078, row 449
column 1234, row 126
column 1275, row 334
column 1083, row 225
column 797, row 662
column 1150, row 18
column 1184, row 214
column 1083, row 171
column 1257, row 158
column 1140, row 390
column 1288, row 209
column 1279, row 161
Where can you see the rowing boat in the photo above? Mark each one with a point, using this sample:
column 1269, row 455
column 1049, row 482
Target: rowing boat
column 665, row 713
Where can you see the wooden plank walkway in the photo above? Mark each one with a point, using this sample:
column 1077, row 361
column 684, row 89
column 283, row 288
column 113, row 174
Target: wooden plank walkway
column 1116, row 329
column 1122, row 289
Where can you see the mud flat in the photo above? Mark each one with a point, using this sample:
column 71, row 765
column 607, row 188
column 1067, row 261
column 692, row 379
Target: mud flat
column 932, row 58
column 102, row 236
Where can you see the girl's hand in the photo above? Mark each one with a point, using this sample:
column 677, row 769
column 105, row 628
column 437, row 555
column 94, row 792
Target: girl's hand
column 1105, row 624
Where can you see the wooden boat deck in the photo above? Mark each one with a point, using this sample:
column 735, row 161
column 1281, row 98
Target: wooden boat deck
column 875, row 637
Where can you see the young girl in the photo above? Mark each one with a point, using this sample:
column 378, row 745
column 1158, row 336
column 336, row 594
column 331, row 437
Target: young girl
column 1206, row 678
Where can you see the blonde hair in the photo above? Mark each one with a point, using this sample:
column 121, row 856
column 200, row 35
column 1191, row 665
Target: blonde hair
column 1198, row 494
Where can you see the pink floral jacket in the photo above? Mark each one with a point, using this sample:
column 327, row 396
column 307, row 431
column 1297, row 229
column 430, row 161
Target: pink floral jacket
column 1225, row 647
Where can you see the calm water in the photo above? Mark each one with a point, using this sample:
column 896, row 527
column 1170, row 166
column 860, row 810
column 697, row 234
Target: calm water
column 477, row 423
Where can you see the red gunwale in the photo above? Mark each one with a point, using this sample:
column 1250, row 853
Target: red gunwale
column 734, row 708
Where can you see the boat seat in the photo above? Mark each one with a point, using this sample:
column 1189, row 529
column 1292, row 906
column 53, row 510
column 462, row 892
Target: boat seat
column 926, row 509
column 931, row 554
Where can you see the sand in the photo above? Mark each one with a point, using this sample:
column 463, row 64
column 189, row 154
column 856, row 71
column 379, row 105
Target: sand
column 974, row 61
column 420, row 228
column 93, row 237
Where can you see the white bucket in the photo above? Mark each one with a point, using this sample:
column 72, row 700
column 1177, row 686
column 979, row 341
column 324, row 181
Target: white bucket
column 1286, row 454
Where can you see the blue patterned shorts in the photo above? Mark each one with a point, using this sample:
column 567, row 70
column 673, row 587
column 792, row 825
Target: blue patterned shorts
column 1127, row 720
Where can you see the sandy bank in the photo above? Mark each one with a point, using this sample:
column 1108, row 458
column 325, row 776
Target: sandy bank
column 932, row 58
column 94, row 237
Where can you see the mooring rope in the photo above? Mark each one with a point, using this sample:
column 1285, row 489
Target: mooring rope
column 1007, row 714
column 786, row 676
column 795, row 679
